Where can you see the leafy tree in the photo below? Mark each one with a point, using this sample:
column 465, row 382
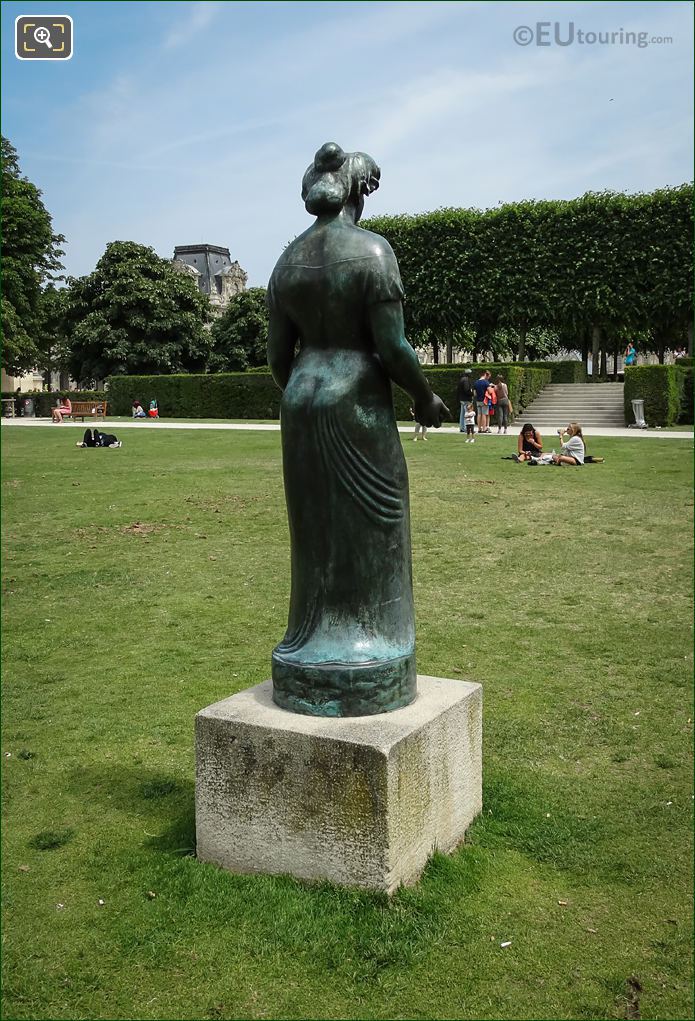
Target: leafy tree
column 30, row 256
column 240, row 335
column 666, row 261
column 135, row 314
column 52, row 335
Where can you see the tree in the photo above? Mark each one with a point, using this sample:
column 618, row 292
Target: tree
column 52, row 336
column 30, row 256
column 240, row 335
column 135, row 314
column 666, row 254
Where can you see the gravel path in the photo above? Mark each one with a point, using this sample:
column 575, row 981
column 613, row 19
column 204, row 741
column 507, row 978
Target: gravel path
column 145, row 424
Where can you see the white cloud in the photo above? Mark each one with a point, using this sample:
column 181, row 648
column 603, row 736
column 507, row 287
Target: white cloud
column 199, row 16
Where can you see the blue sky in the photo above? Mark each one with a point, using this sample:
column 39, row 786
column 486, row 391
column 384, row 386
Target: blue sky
column 182, row 122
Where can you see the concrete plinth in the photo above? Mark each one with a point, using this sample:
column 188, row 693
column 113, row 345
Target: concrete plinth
column 360, row 801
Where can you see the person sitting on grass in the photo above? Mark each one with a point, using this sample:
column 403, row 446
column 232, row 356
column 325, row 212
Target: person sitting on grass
column 574, row 450
column 64, row 408
column 529, row 444
column 138, row 410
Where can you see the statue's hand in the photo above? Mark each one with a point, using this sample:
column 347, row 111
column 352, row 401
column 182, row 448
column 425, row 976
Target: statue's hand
column 432, row 412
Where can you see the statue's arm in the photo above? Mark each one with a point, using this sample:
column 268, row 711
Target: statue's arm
column 401, row 363
column 282, row 340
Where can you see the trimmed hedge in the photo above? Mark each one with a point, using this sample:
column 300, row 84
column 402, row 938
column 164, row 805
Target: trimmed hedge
column 667, row 392
column 524, row 383
column 218, row 395
column 45, row 401
column 687, row 408
column 570, row 371
column 255, row 395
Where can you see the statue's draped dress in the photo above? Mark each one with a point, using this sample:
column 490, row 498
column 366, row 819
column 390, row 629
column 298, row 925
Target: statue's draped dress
column 349, row 648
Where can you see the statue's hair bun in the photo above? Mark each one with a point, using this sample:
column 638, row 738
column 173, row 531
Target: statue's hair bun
column 334, row 176
column 330, row 157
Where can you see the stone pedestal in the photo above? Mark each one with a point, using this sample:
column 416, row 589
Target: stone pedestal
column 360, row 801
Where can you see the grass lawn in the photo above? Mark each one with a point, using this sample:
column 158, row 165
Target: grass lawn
column 144, row 583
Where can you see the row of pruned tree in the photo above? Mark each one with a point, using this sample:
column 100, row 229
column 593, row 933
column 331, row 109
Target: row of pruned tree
column 589, row 273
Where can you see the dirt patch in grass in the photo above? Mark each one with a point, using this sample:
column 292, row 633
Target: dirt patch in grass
column 142, row 528
column 217, row 504
column 88, row 533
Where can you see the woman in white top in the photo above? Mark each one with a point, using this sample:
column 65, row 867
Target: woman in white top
column 573, row 450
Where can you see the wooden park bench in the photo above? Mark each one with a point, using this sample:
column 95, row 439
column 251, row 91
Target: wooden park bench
column 87, row 409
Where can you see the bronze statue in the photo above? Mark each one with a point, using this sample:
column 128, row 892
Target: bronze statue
column 335, row 342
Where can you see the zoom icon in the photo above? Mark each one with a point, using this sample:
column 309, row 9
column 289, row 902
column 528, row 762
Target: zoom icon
column 43, row 37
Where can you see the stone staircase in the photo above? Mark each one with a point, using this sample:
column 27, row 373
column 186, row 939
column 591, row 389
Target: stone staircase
column 590, row 404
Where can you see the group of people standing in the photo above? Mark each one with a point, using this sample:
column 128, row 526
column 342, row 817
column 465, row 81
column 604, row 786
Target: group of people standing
column 481, row 401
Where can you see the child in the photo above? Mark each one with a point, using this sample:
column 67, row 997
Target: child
column 154, row 410
column 418, row 428
column 469, row 418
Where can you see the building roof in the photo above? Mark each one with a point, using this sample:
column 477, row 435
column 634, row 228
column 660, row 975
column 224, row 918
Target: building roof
column 208, row 260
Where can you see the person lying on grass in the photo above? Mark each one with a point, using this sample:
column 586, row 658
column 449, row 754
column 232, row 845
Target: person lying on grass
column 96, row 438
column 574, row 450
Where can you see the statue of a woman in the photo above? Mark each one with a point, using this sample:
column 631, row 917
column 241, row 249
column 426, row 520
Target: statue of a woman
column 335, row 343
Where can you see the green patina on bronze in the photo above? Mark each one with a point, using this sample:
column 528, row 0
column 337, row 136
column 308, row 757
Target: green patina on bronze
column 336, row 341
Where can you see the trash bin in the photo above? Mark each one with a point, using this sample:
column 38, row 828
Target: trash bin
column 29, row 407
column 638, row 412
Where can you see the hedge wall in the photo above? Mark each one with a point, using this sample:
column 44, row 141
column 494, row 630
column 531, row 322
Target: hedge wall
column 524, row 382
column 218, row 395
column 667, row 392
column 45, row 401
column 255, row 395
column 569, row 371
column 562, row 372
column 687, row 408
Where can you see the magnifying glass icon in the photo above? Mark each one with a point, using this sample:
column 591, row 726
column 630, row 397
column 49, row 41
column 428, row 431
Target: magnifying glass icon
column 42, row 35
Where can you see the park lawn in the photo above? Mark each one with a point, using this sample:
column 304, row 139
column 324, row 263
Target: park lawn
column 144, row 583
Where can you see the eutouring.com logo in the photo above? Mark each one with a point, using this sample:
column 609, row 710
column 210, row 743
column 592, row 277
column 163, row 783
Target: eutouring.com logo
column 555, row 33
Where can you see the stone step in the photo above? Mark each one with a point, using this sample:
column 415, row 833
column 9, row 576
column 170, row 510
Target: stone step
column 560, row 405
column 554, row 423
column 551, row 423
column 590, row 404
column 561, row 409
column 566, row 409
column 598, row 404
column 616, row 395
